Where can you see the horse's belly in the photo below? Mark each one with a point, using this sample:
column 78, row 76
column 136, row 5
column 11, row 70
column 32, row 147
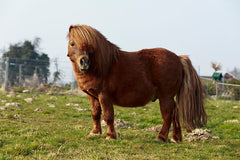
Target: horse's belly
column 133, row 98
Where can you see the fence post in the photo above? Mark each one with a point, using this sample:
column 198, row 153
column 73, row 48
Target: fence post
column 72, row 83
column 207, row 87
column 223, row 81
column 20, row 74
column 216, row 91
column 6, row 73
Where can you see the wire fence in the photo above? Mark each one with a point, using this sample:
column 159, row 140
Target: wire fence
column 27, row 73
column 219, row 90
column 18, row 72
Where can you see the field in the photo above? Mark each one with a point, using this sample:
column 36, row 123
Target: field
column 58, row 127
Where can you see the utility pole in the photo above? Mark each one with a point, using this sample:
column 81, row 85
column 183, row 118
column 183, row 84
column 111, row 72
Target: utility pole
column 20, row 74
column 6, row 73
column 72, row 84
column 199, row 70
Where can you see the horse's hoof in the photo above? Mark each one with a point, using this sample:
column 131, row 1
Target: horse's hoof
column 160, row 140
column 176, row 139
column 109, row 137
column 95, row 134
column 173, row 140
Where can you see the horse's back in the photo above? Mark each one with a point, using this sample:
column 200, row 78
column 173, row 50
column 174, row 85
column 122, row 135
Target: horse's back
column 165, row 69
column 137, row 76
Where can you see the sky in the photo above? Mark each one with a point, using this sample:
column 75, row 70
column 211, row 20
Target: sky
column 206, row 30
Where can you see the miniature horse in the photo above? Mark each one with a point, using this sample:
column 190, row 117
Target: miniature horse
column 111, row 76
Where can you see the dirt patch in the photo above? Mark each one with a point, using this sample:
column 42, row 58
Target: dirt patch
column 200, row 135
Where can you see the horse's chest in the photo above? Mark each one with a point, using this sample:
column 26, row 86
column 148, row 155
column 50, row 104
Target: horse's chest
column 89, row 86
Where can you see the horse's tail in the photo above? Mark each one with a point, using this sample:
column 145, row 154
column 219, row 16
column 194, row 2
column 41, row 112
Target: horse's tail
column 191, row 97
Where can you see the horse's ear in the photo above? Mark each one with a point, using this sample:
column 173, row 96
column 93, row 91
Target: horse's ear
column 71, row 27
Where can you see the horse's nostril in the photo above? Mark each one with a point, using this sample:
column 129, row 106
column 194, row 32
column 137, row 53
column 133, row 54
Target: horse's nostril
column 82, row 61
column 88, row 61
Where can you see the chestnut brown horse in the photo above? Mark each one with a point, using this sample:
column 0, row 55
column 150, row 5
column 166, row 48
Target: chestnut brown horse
column 111, row 76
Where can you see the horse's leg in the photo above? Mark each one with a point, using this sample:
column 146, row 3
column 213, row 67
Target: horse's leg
column 166, row 107
column 108, row 115
column 96, row 115
column 177, row 132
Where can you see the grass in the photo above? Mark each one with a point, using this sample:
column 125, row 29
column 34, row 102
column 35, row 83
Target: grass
column 63, row 132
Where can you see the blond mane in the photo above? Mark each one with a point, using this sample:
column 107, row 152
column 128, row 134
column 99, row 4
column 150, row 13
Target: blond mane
column 105, row 53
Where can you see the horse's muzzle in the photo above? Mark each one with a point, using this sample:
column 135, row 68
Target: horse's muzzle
column 84, row 63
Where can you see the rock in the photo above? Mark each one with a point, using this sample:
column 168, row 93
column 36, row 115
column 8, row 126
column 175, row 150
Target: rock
column 80, row 109
column 16, row 116
column 134, row 113
column 200, row 132
column 203, row 138
column 117, row 123
column 53, row 97
column 232, row 121
column 3, row 101
column 13, row 104
column 200, row 135
column 235, row 107
column 51, row 105
column 72, row 104
column 103, row 123
column 25, row 91
column 19, row 96
column 4, row 108
column 11, row 94
column 49, row 93
column 154, row 129
column 215, row 137
column 38, row 110
column 28, row 100
column 120, row 123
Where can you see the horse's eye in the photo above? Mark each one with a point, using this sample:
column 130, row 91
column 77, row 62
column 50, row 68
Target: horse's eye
column 72, row 44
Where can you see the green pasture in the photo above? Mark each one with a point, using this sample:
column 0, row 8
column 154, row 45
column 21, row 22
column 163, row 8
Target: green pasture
column 62, row 132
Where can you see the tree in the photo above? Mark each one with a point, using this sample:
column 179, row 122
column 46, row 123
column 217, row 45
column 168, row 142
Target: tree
column 26, row 56
column 216, row 66
column 57, row 73
column 236, row 72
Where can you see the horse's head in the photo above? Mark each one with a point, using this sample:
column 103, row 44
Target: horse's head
column 79, row 55
column 86, row 45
